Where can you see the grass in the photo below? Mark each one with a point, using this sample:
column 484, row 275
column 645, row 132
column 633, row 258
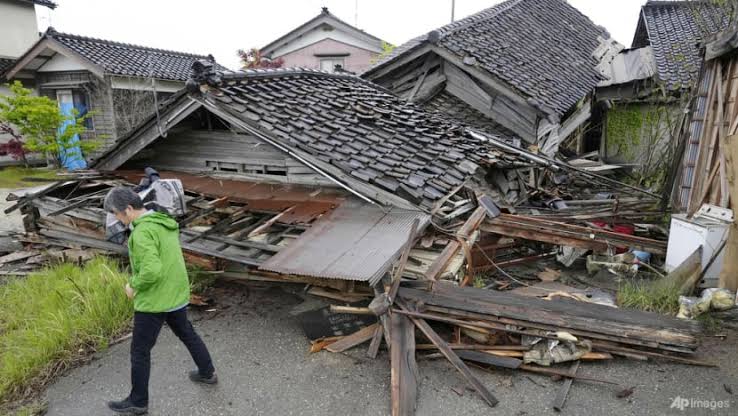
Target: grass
column 15, row 177
column 647, row 296
column 50, row 319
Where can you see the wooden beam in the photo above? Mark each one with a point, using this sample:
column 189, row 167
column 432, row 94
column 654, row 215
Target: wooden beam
column 451, row 356
column 350, row 341
column 397, row 277
column 404, row 369
column 376, row 342
column 558, row 403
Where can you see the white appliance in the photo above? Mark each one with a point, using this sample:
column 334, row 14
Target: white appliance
column 709, row 228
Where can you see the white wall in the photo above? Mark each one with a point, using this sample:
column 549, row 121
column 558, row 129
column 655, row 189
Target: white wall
column 61, row 63
column 318, row 34
column 18, row 29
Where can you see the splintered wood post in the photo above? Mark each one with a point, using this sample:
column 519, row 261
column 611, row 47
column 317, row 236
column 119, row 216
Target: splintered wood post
column 561, row 396
column 395, row 285
column 376, row 341
column 404, row 371
column 450, row 355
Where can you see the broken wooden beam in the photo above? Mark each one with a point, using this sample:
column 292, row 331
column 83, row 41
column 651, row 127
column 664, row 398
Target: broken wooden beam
column 359, row 337
column 404, row 368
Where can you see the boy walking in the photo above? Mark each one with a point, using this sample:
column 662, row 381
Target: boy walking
column 160, row 291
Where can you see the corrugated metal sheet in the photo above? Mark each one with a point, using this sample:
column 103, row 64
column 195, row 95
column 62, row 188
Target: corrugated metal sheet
column 357, row 241
column 691, row 151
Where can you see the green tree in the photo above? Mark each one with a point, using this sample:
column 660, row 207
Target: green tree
column 39, row 122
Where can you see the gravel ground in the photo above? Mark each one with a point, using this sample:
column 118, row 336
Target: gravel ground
column 264, row 368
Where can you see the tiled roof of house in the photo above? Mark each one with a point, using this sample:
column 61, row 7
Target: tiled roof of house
column 674, row 29
column 359, row 128
column 541, row 48
column 45, row 3
column 126, row 59
column 447, row 105
column 5, row 64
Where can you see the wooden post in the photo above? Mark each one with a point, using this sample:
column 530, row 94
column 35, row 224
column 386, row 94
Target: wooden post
column 404, row 370
column 729, row 273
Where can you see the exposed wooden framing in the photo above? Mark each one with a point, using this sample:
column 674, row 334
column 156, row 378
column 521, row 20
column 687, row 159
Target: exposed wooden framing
column 424, row 72
column 454, row 359
column 390, row 67
column 404, row 369
column 144, row 136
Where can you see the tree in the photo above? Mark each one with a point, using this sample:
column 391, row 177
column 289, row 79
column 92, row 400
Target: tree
column 387, row 49
column 252, row 59
column 43, row 127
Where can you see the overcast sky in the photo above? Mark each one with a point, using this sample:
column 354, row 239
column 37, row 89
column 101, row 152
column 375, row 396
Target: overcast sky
column 221, row 27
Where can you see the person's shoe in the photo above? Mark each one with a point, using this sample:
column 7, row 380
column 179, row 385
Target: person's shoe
column 125, row 406
column 197, row 378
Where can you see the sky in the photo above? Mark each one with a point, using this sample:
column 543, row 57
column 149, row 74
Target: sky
column 221, row 27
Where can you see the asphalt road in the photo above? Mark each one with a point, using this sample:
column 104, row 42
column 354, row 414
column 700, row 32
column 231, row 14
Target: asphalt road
column 262, row 360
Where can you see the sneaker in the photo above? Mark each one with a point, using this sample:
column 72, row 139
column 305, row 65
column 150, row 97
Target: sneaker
column 125, row 406
column 197, row 378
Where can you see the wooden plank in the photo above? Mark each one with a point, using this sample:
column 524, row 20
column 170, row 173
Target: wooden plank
column 404, row 369
column 442, row 261
column 350, row 341
column 729, row 272
column 376, row 342
column 397, row 277
column 563, row 393
column 626, row 325
column 451, row 356
column 17, row 256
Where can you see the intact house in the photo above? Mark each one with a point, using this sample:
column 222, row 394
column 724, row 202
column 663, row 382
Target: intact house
column 118, row 83
column 525, row 68
column 18, row 29
column 639, row 109
column 325, row 42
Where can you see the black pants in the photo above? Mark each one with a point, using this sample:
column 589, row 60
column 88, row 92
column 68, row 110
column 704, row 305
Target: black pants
column 146, row 327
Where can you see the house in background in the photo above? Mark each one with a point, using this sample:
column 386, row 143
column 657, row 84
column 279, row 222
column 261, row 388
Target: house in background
column 638, row 110
column 18, row 28
column 325, row 42
column 120, row 83
column 528, row 66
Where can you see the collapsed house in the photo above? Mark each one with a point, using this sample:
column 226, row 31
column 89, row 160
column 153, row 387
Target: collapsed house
column 522, row 68
column 637, row 111
column 302, row 176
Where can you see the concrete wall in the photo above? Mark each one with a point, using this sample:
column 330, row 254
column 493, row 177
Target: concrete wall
column 357, row 60
column 18, row 28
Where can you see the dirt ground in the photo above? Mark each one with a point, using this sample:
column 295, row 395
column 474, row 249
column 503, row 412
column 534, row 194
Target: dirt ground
column 262, row 359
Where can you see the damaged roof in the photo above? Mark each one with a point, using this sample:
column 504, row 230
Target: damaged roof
column 544, row 49
column 357, row 127
column 675, row 29
column 448, row 105
column 343, row 127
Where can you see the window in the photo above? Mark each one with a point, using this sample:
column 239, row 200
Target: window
column 329, row 64
column 76, row 99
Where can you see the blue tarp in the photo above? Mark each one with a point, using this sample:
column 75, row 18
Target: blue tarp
column 73, row 158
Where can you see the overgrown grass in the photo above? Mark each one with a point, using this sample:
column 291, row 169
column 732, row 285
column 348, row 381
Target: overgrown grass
column 647, row 296
column 200, row 279
column 50, row 318
column 14, row 177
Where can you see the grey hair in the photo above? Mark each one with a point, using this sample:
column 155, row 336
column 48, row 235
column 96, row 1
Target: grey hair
column 119, row 198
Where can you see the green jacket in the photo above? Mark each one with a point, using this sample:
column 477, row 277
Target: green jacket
column 159, row 274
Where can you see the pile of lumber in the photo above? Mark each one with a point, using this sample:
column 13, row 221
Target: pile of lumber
column 434, row 316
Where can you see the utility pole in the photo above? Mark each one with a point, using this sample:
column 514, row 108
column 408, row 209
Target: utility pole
column 356, row 13
column 453, row 10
